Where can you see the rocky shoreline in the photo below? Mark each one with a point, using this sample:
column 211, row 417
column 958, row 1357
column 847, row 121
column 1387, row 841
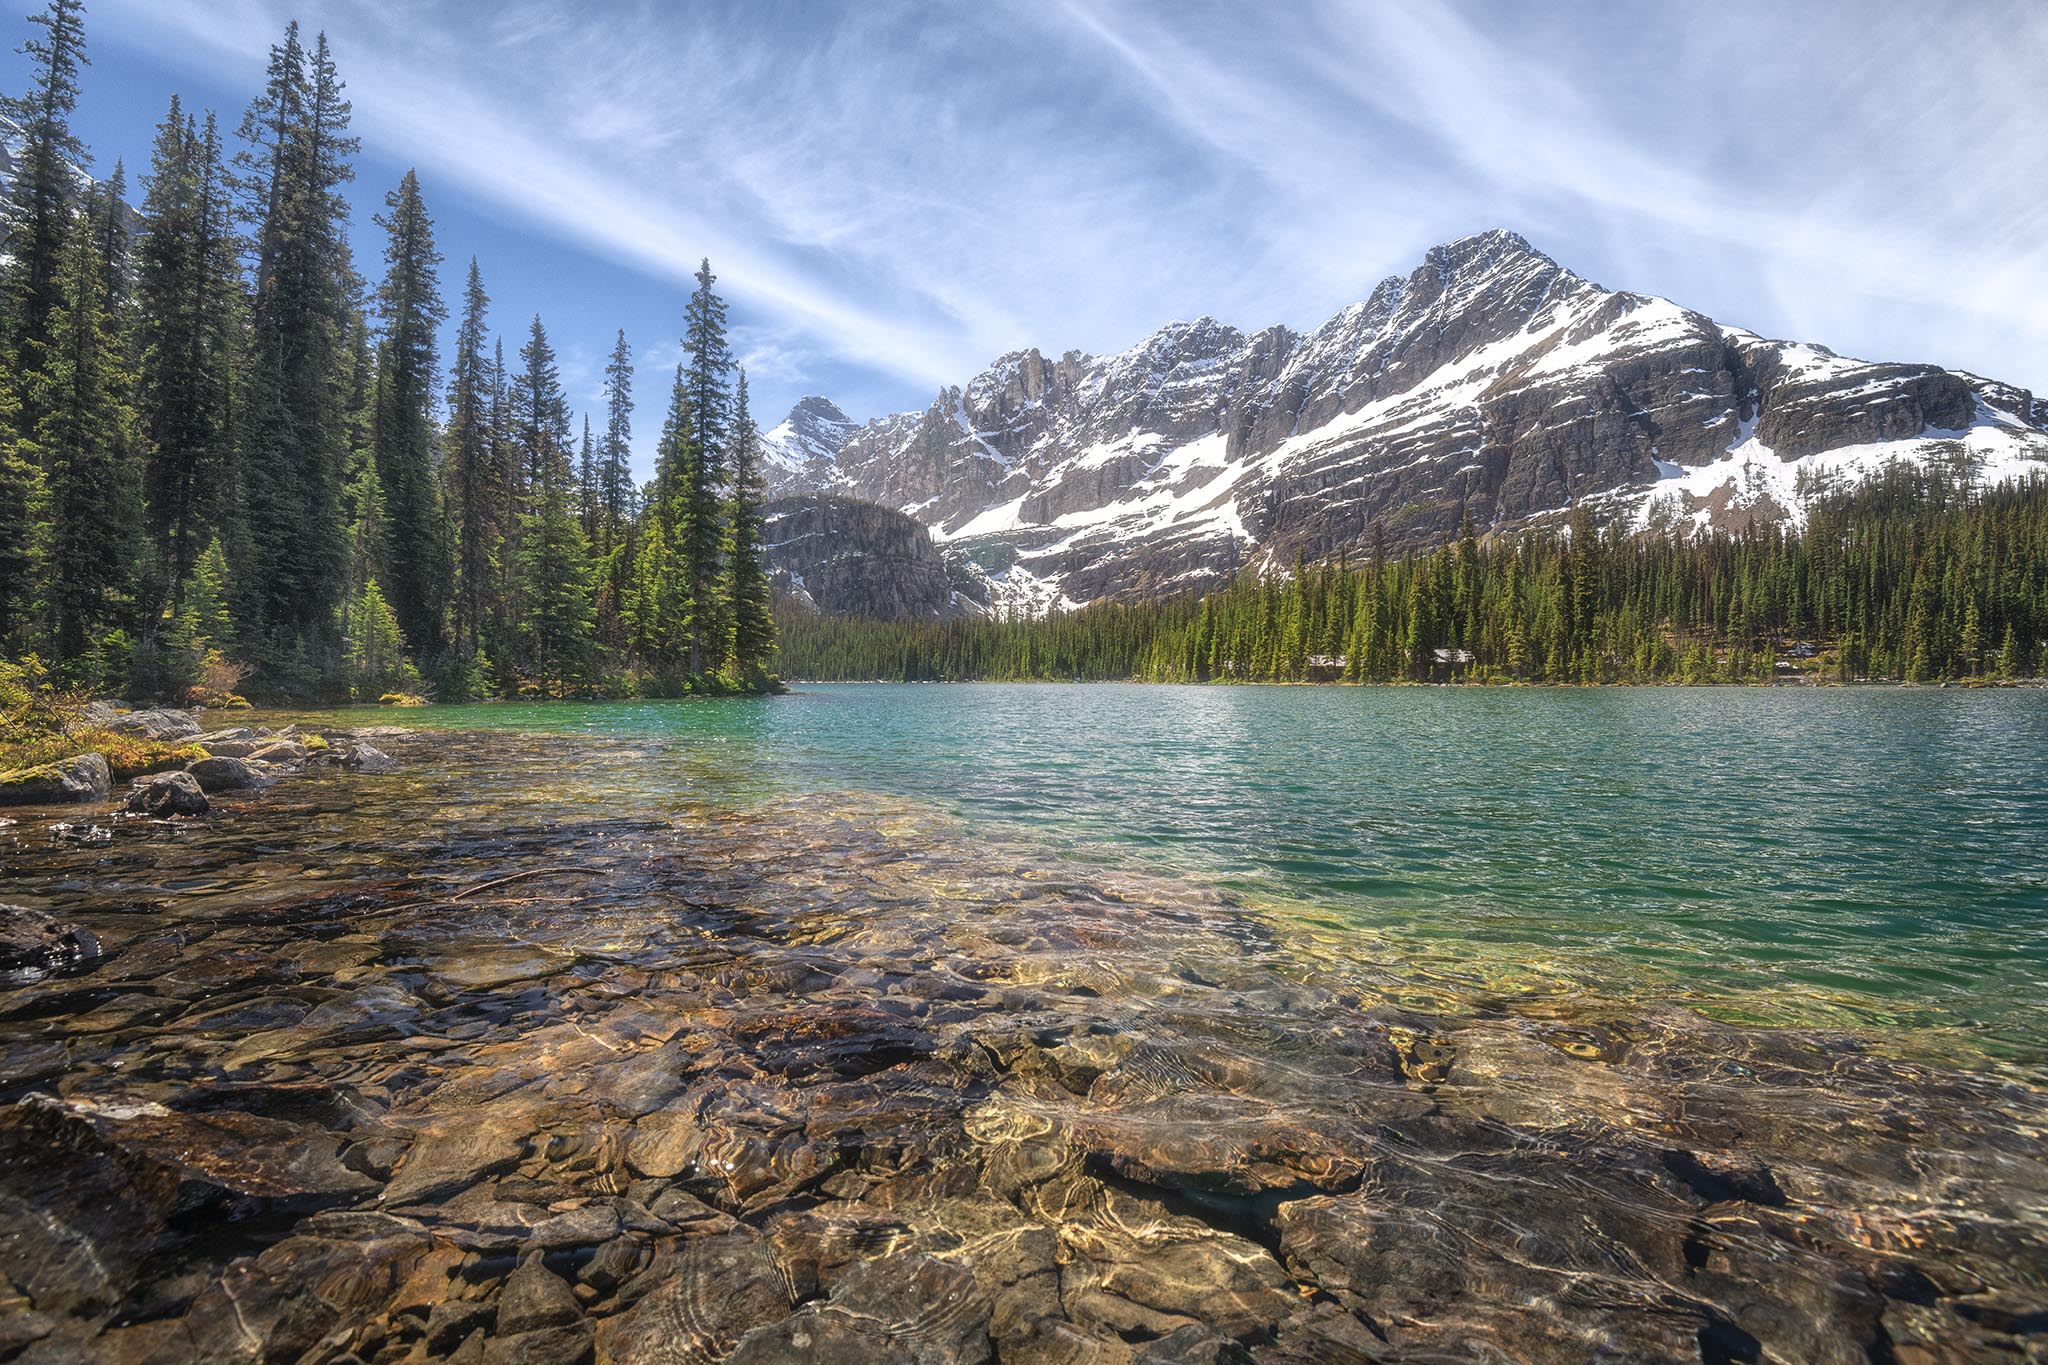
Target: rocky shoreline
column 202, row 762
column 434, row 1064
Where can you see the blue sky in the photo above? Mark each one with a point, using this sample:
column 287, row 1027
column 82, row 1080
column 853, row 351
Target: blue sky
column 895, row 193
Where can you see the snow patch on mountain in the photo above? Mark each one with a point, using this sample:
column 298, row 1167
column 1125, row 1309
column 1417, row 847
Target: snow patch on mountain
column 1489, row 383
column 809, row 437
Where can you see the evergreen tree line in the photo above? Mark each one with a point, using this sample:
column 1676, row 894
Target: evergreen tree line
column 1916, row 575
column 223, row 455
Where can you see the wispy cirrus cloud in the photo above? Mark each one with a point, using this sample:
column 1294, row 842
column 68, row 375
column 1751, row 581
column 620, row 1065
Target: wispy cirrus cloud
column 896, row 192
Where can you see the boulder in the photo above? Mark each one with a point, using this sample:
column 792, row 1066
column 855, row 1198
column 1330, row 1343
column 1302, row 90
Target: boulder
column 223, row 774
column 280, row 751
column 233, row 748
column 84, row 778
column 169, row 794
column 367, row 758
column 156, row 725
column 33, row 939
column 225, row 736
column 535, row 1297
column 104, row 713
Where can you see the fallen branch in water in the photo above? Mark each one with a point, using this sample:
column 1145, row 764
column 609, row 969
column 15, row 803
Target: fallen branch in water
column 521, row 876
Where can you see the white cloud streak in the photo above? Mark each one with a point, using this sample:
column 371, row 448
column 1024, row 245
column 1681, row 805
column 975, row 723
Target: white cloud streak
column 912, row 189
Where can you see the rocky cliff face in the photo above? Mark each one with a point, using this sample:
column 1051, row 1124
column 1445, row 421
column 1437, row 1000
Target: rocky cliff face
column 1490, row 381
column 856, row 558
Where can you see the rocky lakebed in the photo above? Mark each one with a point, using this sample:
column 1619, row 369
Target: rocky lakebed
column 420, row 1046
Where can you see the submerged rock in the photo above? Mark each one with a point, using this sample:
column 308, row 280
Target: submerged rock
column 84, row 778
column 824, row 1080
column 715, row 1290
column 535, row 1297
column 37, row 940
column 167, row 794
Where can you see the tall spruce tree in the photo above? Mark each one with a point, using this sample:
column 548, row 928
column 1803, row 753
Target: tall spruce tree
column 707, row 394
column 665, row 595
column 42, row 196
column 188, row 291
column 409, row 301
column 509, row 491
column 614, row 472
column 471, row 483
column 87, row 440
column 294, row 435
column 751, row 637
column 586, row 484
column 40, row 210
column 24, row 527
column 613, row 497
column 554, row 557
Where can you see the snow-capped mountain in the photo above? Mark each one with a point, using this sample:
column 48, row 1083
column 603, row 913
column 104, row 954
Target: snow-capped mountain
column 806, row 441
column 1490, row 381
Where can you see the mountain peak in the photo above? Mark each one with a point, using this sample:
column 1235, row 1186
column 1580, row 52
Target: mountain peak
column 816, row 407
column 1483, row 250
column 812, row 433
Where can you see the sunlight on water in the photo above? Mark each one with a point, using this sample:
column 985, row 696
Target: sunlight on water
column 1852, row 857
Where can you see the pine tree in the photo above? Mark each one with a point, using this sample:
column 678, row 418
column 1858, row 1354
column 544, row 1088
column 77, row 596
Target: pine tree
column 374, row 652
column 294, row 435
column 508, row 491
column 410, row 302
column 708, row 398
column 554, row 557
column 206, row 599
column 666, row 595
column 42, row 198
column 87, row 441
column 751, row 637
column 189, row 296
column 39, row 212
column 587, row 508
column 472, row 489
column 615, row 474
column 612, row 499
column 24, row 529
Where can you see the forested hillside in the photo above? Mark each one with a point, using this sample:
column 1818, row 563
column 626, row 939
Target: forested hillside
column 1917, row 575
column 230, row 462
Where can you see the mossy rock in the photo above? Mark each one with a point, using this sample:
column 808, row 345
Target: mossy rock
column 67, row 781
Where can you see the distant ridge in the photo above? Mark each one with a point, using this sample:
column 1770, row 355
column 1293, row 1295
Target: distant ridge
column 1490, row 381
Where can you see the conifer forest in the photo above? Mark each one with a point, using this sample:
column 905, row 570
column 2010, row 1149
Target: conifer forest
column 229, row 462
column 1914, row 576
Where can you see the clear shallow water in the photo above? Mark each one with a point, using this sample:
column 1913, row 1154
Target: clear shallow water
column 821, row 1018
column 1852, row 857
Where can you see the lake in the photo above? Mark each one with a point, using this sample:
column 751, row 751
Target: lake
column 1872, row 855
column 1048, row 1023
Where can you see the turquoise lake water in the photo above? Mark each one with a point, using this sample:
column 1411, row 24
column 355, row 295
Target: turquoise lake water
column 1873, row 858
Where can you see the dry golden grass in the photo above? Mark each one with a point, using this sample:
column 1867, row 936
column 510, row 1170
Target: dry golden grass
column 126, row 755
